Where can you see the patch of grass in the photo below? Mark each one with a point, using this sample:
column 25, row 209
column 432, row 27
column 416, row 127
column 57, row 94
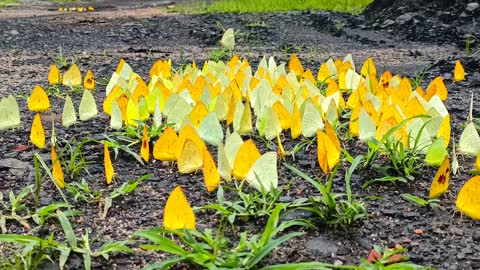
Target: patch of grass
column 234, row 6
column 6, row 3
column 217, row 251
column 335, row 209
column 246, row 206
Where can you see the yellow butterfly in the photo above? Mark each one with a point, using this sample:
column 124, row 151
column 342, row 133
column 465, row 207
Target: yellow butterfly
column 190, row 133
column 295, row 66
column 73, row 76
column 57, row 169
column 468, row 199
column 328, row 148
column 441, row 179
column 246, row 156
column 177, row 213
column 210, row 172
column 166, row 146
column 37, row 133
column 89, row 81
column 145, row 149
column 38, row 100
column 107, row 162
column 458, row 72
column 54, row 75
column 190, row 159
column 437, row 87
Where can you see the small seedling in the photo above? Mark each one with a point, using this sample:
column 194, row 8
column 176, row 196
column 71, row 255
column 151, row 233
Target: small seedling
column 249, row 205
column 332, row 208
column 432, row 203
column 82, row 191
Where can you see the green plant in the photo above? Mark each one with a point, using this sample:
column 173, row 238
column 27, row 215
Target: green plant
column 433, row 203
column 248, row 205
column 216, row 252
column 339, row 25
column 403, row 162
column 83, row 192
column 261, row 24
column 61, row 61
column 332, row 208
column 218, row 54
column 36, row 250
column 47, row 212
column 468, row 42
column 75, row 162
column 53, row 90
column 304, row 143
column 418, row 79
column 104, row 81
column 16, row 205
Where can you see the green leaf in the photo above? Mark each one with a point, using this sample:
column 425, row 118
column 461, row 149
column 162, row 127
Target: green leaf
column 87, row 261
column 67, row 229
column 414, row 199
column 384, row 179
column 128, row 186
column 163, row 243
column 108, row 247
column 64, row 254
column 299, row 266
column 265, row 250
column 166, row 264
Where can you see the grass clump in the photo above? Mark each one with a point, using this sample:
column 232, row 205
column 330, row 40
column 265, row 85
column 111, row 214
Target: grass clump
column 233, row 6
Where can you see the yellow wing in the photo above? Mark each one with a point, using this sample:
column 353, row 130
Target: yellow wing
column 440, row 182
column 54, row 75
column 37, row 133
column 57, row 169
column 73, row 76
column 89, row 81
column 177, row 213
column 468, row 200
column 109, row 171
column 38, row 100
column 145, row 149
column 246, row 156
column 164, row 149
column 210, row 172
column 458, row 72
column 190, row 159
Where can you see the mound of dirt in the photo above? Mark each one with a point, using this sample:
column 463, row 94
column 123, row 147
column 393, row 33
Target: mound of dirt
column 438, row 21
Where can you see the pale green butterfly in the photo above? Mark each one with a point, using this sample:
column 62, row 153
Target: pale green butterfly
column 9, row 113
column 87, row 108
column 263, row 173
column 69, row 117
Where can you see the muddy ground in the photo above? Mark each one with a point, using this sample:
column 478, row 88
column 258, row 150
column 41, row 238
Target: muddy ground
column 32, row 36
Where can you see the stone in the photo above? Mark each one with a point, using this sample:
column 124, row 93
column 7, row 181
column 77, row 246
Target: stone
column 321, row 246
column 387, row 23
column 472, row 6
column 402, row 19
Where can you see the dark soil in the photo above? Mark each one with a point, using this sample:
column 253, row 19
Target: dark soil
column 30, row 38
